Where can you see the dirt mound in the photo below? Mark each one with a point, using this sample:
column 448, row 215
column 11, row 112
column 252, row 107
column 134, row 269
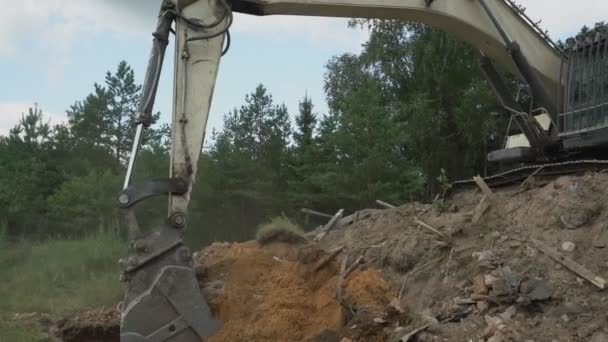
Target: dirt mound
column 94, row 326
column 465, row 274
column 275, row 293
column 489, row 280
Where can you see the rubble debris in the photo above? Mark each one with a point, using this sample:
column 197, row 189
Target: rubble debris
column 568, row 246
column 408, row 337
column 601, row 239
column 479, row 285
column 598, row 281
column 483, row 306
column 486, row 259
column 599, row 337
column 509, row 313
column 526, row 297
column 534, row 290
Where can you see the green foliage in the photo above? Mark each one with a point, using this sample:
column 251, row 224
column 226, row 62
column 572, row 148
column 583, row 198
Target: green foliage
column 407, row 113
column 444, row 183
column 281, row 229
column 85, row 205
column 245, row 170
column 57, row 277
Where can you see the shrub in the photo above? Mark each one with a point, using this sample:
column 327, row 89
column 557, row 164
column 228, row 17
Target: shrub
column 279, row 229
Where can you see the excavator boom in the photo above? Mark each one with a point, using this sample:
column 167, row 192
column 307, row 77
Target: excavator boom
column 465, row 19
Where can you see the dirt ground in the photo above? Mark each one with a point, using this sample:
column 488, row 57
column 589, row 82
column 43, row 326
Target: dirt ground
column 461, row 281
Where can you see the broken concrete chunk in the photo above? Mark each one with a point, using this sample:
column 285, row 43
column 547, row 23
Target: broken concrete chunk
column 509, row 313
column 486, row 259
column 500, row 288
column 493, row 321
column 379, row 320
column 568, row 246
column 479, row 285
column 536, row 290
column 489, row 280
column 513, row 280
column 601, row 239
column 483, row 306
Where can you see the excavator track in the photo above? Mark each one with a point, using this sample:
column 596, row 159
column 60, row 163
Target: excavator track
column 518, row 175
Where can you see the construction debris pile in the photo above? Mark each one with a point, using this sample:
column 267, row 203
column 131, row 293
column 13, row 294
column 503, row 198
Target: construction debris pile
column 526, row 263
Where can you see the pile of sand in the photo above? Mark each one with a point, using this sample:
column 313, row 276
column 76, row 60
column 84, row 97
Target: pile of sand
column 274, row 293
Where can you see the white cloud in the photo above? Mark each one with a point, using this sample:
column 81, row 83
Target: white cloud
column 10, row 114
column 53, row 28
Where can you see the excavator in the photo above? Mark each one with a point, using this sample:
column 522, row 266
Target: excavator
column 568, row 84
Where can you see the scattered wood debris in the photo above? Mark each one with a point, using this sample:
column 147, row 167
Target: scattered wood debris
column 359, row 215
column 483, row 186
column 413, row 272
column 426, row 226
column 575, row 267
column 331, row 256
column 408, row 337
column 341, row 278
column 481, row 209
column 353, row 266
column 384, row 204
column 328, row 227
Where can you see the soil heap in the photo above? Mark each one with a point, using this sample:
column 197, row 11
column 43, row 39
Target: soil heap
column 455, row 271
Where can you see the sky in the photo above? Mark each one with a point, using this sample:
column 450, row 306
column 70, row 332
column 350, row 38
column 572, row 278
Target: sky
column 53, row 51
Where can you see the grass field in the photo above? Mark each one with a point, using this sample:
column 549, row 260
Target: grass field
column 40, row 282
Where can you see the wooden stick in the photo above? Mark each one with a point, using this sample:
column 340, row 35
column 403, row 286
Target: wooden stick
column 385, row 205
column 330, row 224
column 424, row 225
column 416, row 270
column 531, row 176
column 575, row 267
column 328, row 258
column 341, row 278
column 481, row 208
column 315, row 213
column 350, row 219
column 353, row 266
column 483, row 186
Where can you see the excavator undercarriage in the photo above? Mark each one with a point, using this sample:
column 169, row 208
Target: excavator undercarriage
column 569, row 87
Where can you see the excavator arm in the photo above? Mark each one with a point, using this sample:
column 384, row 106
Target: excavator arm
column 163, row 300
